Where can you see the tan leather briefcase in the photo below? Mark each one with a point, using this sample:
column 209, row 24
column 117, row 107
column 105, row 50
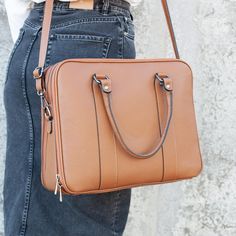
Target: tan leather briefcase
column 110, row 124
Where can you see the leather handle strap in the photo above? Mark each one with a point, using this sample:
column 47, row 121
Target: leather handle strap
column 106, row 90
column 47, row 24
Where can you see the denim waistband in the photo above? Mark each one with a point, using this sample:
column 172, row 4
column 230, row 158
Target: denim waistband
column 113, row 5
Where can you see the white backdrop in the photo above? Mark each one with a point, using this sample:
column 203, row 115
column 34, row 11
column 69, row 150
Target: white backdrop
column 206, row 34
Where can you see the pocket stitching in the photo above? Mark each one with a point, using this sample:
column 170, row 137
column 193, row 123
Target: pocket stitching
column 82, row 37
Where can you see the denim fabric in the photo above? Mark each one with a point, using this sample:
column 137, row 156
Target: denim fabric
column 107, row 31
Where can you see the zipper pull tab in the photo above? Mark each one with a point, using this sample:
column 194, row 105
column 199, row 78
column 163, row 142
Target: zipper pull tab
column 58, row 186
column 60, row 193
column 57, row 182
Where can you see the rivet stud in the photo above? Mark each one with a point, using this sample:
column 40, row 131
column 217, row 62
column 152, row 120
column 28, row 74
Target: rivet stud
column 106, row 87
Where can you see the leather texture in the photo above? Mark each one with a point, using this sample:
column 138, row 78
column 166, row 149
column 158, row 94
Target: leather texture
column 110, row 124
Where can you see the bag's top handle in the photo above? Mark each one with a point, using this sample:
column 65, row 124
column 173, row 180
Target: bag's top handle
column 47, row 24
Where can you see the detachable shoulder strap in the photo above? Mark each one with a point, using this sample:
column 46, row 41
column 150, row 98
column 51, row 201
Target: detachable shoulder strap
column 170, row 27
column 45, row 32
column 47, row 23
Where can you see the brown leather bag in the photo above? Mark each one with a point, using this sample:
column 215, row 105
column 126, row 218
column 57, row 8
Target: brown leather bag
column 110, row 124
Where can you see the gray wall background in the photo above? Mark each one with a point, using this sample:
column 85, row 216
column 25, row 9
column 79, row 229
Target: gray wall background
column 206, row 33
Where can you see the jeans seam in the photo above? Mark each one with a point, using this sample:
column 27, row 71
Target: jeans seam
column 120, row 42
column 115, row 212
column 48, row 54
column 106, row 46
column 17, row 43
column 31, row 25
column 31, row 142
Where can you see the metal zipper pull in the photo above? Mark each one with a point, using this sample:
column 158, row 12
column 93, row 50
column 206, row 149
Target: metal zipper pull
column 60, row 193
column 58, row 186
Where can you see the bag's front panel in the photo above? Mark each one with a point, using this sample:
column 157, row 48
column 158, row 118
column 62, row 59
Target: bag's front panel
column 136, row 113
column 92, row 157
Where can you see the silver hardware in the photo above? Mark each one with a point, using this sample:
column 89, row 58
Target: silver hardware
column 41, row 71
column 97, row 80
column 47, row 111
column 60, row 193
column 41, row 95
column 58, row 186
column 106, row 87
column 160, row 79
column 42, row 100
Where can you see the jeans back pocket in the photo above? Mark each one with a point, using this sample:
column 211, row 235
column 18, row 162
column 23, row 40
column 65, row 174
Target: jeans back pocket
column 63, row 46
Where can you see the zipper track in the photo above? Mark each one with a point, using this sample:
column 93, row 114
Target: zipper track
column 49, row 85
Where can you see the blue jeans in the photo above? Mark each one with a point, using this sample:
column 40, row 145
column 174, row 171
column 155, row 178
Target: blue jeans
column 107, row 31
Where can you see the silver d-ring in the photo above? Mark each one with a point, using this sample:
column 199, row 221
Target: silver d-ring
column 161, row 81
column 95, row 78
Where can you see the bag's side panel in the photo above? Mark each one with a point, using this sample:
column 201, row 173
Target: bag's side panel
column 77, row 130
column 48, row 155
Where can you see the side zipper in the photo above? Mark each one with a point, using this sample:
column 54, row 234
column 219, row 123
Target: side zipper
column 58, row 186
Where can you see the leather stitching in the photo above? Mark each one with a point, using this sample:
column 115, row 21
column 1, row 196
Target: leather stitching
column 159, row 121
column 113, row 135
column 96, row 114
